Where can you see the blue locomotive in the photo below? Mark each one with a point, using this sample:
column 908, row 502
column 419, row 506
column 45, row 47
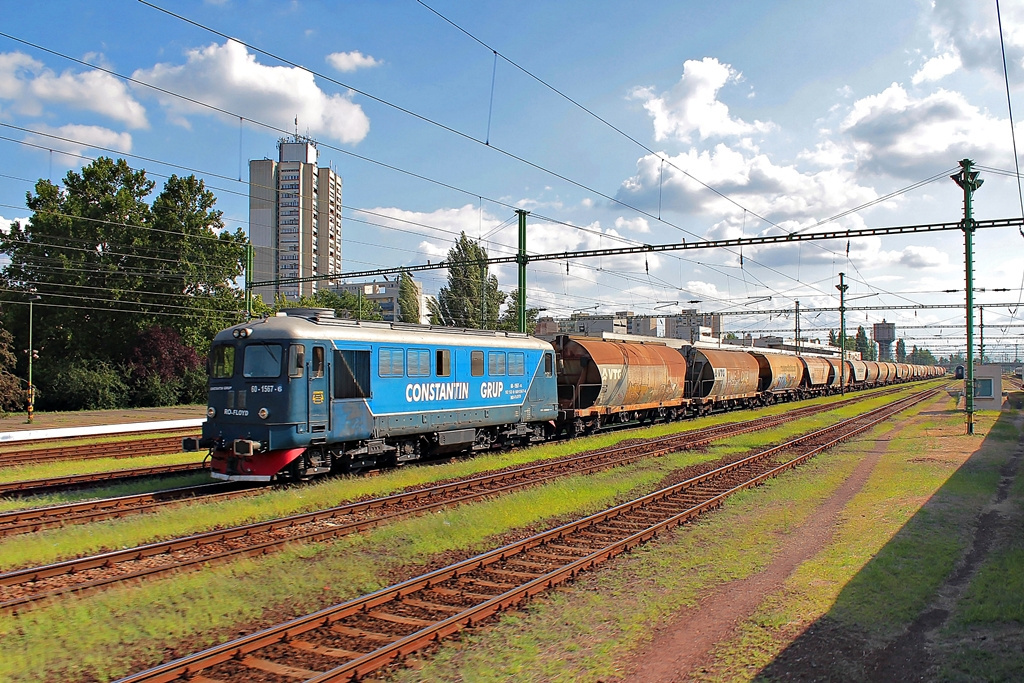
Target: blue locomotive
column 301, row 393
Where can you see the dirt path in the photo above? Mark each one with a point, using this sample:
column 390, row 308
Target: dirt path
column 683, row 645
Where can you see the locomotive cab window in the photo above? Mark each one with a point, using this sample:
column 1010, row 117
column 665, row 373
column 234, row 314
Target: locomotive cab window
column 222, row 361
column 351, row 374
column 318, row 362
column 476, row 363
column 496, row 363
column 443, row 363
column 262, row 360
column 548, row 365
column 296, row 360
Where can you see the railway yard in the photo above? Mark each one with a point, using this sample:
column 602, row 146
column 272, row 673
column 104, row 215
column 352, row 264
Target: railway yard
column 862, row 537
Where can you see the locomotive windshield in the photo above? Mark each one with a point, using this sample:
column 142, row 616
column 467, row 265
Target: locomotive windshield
column 262, row 360
column 222, row 361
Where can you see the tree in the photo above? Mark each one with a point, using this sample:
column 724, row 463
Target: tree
column 408, row 299
column 108, row 267
column 206, row 260
column 832, row 338
column 163, row 370
column 510, row 318
column 862, row 344
column 12, row 393
column 921, row 357
column 901, row 351
column 471, row 298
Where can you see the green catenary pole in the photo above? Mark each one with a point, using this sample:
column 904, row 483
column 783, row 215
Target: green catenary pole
column 521, row 259
column 969, row 182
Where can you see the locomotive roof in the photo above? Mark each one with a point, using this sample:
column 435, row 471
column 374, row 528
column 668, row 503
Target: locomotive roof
column 321, row 324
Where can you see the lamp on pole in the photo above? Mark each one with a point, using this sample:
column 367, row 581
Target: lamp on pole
column 32, row 354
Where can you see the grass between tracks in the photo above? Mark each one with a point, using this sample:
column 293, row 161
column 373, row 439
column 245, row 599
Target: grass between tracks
column 65, row 468
column 106, row 635
column 57, row 544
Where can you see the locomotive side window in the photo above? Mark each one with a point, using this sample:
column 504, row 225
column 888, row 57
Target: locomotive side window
column 443, row 363
column 476, row 363
column 548, row 365
column 419, row 362
column 262, row 360
column 351, row 374
column 222, row 361
column 391, row 362
column 318, row 362
column 296, row 360
column 516, row 363
column 496, row 363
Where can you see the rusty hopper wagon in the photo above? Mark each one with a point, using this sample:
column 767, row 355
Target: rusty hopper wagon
column 601, row 381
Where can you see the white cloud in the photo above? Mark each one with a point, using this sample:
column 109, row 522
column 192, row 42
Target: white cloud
column 937, row 68
column 970, row 31
column 692, row 105
column 922, row 257
column 638, row 224
column 755, row 182
column 31, row 86
column 896, row 133
column 76, row 139
column 229, row 77
column 347, row 62
column 5, row 223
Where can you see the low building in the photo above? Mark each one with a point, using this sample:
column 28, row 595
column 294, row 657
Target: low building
column 988, row 386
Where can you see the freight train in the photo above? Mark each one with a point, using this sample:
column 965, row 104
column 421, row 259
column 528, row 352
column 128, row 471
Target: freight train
column 303, row 393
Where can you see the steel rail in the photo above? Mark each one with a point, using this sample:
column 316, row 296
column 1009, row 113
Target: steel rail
column 361, row 664
column 36, row 519
column 33, row 486
column 443, row 495
column 114, row 449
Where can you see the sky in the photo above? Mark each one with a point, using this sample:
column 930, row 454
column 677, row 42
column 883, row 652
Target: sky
column 615, row 124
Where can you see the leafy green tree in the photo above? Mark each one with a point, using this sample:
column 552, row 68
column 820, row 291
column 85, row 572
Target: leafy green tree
column 510, row 318
column 108, row 266
column 408, row 299
column 921, row 357
column 901, row 351
column 471, row 298
column 205, row 260
column 863, row 344
column 12, row 387
column 832, row 338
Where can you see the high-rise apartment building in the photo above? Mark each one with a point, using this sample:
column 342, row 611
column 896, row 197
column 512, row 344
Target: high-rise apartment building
column 294, row 220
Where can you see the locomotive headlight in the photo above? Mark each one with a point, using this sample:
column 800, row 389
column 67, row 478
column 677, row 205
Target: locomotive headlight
column 211, row 412
column 264, row 413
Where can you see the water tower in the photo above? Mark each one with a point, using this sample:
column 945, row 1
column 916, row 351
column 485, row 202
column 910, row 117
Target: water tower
column 885, row 335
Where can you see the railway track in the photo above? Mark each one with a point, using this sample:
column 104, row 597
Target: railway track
column 21, row 588
column 31, row 487
column 36, row 519
column 115, row 449
column 361, row 636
